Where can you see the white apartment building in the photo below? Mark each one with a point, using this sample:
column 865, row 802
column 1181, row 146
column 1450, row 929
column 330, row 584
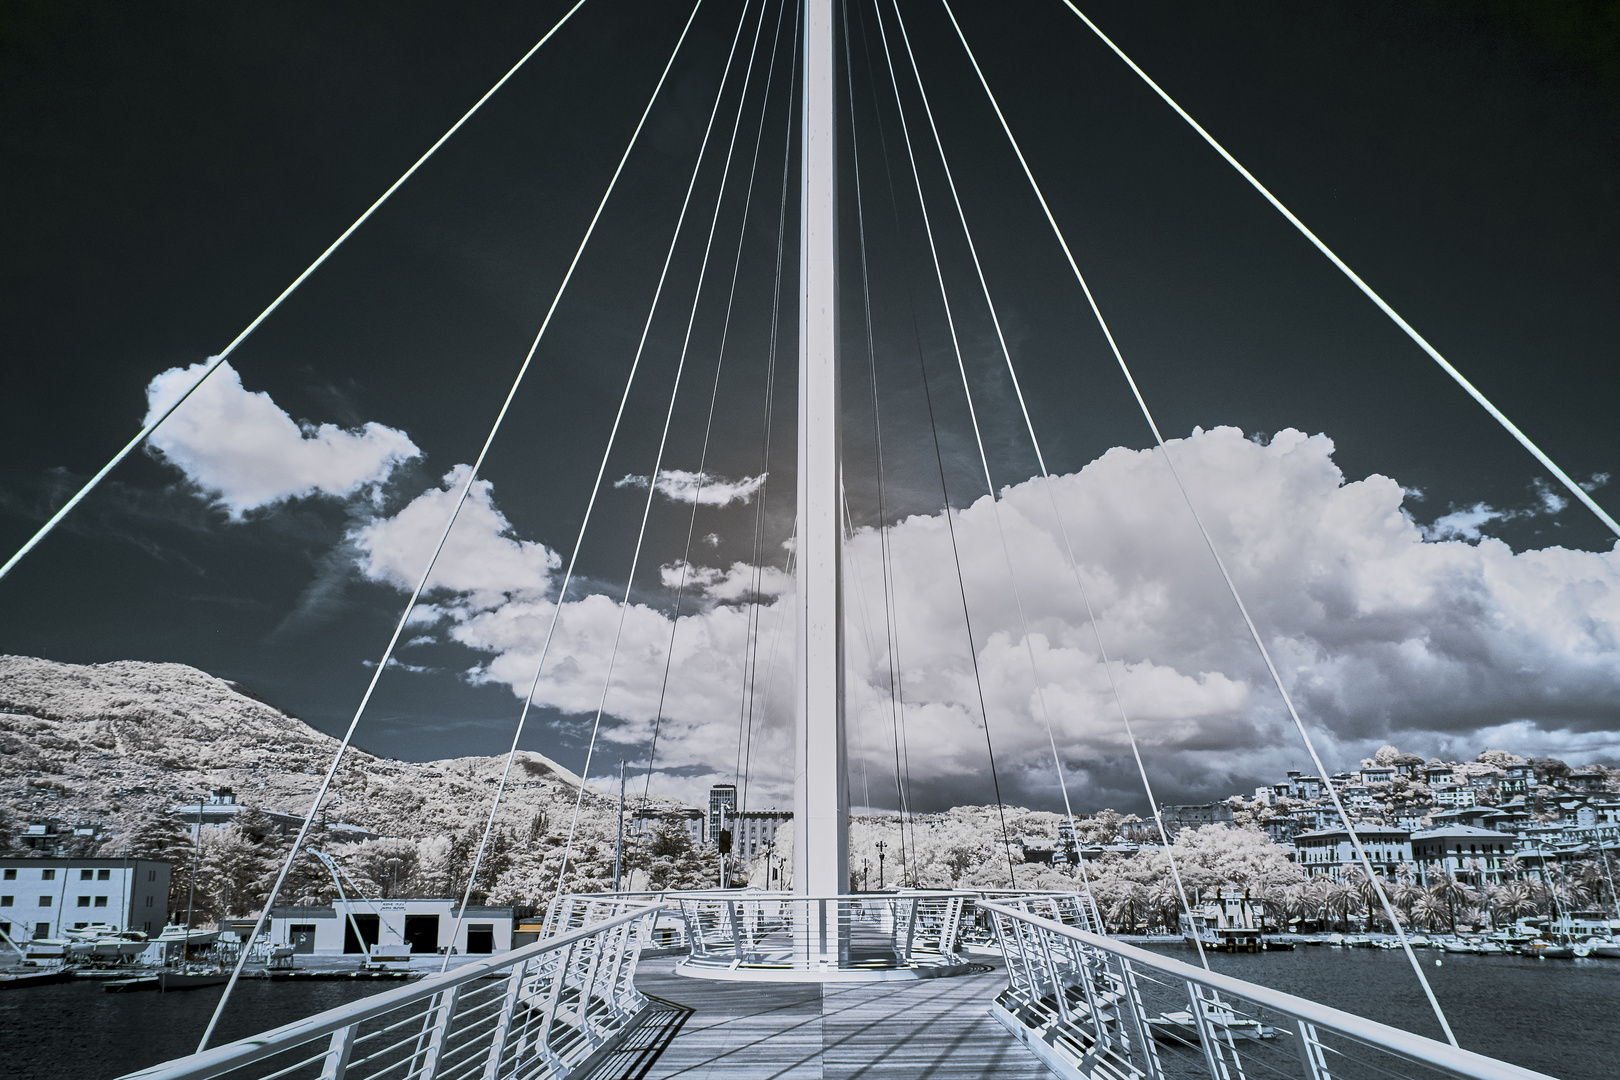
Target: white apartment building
column 1329, row 853
column 39, row 898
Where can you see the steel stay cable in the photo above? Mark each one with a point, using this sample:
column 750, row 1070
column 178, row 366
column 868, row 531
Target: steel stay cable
column 967, row 390
column 752, row 661
column 220, row 359
column 891, row 642
column 596, row 487
column 444, row 536
column 652, row 479
column 951, row 323
column 1231, row 586
column 1164, row 835
column 1574, row 488
column 725, row 337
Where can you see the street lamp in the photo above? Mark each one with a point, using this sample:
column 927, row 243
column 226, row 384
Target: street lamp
column 880, row 846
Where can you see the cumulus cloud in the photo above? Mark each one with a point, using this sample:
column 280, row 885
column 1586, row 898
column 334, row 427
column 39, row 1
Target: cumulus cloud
column 482, row 563
column 245, row 452
column 1382, row 633
column 705, row 489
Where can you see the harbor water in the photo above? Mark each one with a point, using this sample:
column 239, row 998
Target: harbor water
column 1561, row 1017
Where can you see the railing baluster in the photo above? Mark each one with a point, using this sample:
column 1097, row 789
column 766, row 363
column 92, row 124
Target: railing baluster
column 1208, row 1037
column 444, row 1008
column 503, row 1021
column 1311, row 1053
column 337, row 1054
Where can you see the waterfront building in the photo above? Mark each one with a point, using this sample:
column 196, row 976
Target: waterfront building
column 426, row 926
column 39, row 898
column 1329, row 853
column 1477, row 856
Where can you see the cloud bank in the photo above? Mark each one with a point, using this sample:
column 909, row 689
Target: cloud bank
column 1382, row 633
column 242, row 450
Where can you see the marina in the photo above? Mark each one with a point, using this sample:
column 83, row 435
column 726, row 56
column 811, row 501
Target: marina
column 1530, row 1012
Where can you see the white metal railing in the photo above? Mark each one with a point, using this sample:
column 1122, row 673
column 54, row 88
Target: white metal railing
column 762, row 931
column 543, row 1012
column 1098, row 1009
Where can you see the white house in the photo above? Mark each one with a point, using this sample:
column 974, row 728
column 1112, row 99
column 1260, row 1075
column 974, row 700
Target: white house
column 1464, row 851
column 1329, row 853
column 39, row 898
column 425, row 925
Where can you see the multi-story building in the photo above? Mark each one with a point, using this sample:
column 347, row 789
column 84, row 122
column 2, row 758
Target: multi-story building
column 1377, row 774
column 39, row 898
column 752, row 831
column 1176, row 818
column 1438, row 774
column 1517, row 779
column 722, row 804
column 1474, row 855
column 1329, row 852
column 1593, row 780
column 1453, row 794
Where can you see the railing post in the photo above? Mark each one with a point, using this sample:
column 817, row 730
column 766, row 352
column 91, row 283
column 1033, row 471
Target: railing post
column 503, row 1021
column 336, row 1062
column 736, row 930
column 443, row 1009
column 1311, row 1052
column 1138, row 1010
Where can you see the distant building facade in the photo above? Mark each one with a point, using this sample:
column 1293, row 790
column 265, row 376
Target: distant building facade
column 1478, row 856
column 1329, row 852
column 39, row 898
column 427, row 926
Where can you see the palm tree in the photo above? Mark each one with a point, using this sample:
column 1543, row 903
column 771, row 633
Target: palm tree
column 1451, row 892
column 1431, row 909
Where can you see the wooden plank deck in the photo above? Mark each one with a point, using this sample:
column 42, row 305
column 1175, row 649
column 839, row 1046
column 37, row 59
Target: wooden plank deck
column 938, row 1029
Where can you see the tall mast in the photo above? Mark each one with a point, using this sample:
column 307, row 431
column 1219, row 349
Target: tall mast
column 821, row 797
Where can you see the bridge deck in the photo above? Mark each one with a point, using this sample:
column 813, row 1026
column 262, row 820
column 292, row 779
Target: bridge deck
column 934, row 1028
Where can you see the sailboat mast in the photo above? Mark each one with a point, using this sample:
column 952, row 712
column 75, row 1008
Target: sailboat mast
column 821, row 797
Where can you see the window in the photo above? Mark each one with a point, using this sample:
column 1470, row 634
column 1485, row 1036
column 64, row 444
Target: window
column 148, row 902
column 42, row 929
column 101, row 901
column 11, row 873
column 104, row 874
column 7, row 901
column 84, row 901
column 47, row 875
column 86, row 874
column 44, row 901
column 151, row 875
column 80, row 925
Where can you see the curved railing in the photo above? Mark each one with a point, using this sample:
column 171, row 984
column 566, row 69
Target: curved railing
column 547, row 1011
column 1097, row 1009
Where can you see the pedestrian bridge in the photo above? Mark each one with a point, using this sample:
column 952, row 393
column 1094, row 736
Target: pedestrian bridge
column 1060, row 1000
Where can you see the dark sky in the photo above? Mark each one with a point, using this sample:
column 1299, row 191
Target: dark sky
column 170, row 167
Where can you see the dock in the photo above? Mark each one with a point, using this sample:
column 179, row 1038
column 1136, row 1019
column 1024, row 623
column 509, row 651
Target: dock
column 940, row 1029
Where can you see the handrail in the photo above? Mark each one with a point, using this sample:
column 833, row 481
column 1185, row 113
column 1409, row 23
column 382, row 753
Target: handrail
column 1416, row 1047
column 266, row 1044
